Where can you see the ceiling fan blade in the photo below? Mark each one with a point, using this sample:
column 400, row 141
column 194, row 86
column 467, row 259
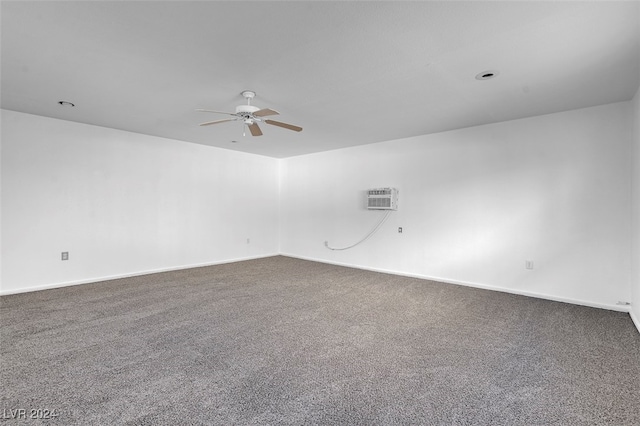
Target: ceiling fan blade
column 217, row 112
column 264, row 112
column 284, row 125
column 208, row 123
column 255, row 129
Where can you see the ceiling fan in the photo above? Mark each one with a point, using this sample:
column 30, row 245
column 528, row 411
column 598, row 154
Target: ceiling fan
column 251, row 116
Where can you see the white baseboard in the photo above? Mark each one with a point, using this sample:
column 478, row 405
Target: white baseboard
column 618, row 308
column 635, row 319
column 127, row 275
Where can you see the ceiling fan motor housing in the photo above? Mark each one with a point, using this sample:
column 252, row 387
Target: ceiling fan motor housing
column 246, row 109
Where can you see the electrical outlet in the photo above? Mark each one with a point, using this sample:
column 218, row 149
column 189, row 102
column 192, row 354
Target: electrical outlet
column 400, row 230
column 248, row 241
column 65, row 255
column 528, row 264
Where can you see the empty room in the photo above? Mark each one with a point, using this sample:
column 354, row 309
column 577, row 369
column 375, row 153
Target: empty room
column 320, row 212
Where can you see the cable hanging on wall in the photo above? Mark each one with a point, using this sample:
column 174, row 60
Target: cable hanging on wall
column 377, row 199
column 366, row 237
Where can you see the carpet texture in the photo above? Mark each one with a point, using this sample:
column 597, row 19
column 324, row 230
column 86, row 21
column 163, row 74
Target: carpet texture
column 287, row 341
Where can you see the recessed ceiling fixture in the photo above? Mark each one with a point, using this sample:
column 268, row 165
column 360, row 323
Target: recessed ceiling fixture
column 486, row 75
column 66, row 104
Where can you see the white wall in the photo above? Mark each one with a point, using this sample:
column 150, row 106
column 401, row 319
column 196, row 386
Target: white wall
column 123, row 203
column 635, row 256
column 476, row 203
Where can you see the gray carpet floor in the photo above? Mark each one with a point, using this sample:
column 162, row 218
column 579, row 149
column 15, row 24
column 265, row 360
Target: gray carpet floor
column 287, row 341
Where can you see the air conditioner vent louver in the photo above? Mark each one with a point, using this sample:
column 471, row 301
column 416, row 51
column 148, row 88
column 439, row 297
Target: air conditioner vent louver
column 382, row 199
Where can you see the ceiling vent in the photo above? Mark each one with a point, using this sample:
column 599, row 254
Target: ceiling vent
column 486, row 75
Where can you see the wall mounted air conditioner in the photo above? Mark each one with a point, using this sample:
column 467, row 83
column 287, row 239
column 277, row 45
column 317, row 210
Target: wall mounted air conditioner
column 382, row 199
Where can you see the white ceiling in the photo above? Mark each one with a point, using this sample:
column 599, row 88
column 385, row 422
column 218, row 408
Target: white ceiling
column 349, row 73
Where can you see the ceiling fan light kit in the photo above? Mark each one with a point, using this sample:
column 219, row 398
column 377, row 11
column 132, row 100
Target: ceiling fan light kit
column 250, row 116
